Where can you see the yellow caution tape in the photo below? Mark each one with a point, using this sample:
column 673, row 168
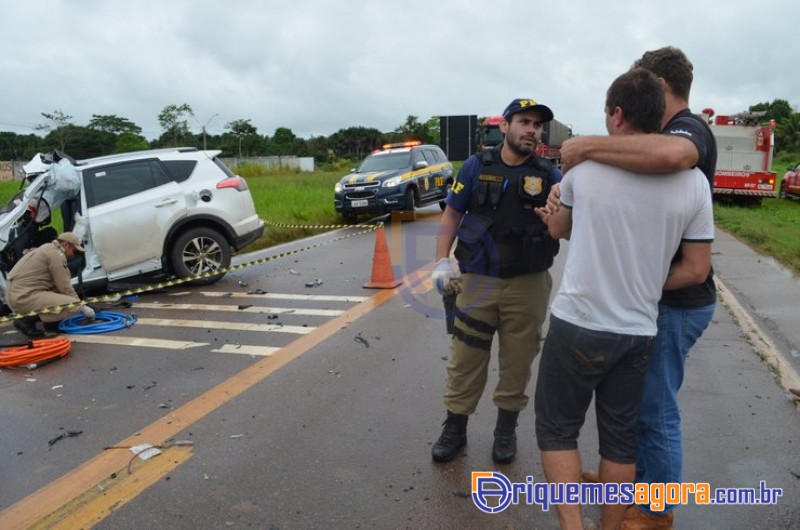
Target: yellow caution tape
column 178, row 281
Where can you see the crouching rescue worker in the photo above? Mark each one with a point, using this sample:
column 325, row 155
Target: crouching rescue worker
column 503, row 253
column 41, row 279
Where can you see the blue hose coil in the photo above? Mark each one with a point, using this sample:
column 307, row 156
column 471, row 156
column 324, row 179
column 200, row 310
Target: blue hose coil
column 104, row 321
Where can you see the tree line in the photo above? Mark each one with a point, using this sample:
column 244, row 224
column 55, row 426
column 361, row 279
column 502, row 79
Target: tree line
column 787, row 129
column 109, row 134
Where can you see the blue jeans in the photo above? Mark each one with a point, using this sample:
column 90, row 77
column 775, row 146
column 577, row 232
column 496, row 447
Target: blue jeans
column 660, row 455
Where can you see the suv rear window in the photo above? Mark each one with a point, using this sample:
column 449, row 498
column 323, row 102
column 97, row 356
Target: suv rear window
column 109, row 183
column 225, row 169
column 180, row 169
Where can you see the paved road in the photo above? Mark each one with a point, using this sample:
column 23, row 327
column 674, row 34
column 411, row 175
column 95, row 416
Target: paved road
column 767, row 296
column 333, row 428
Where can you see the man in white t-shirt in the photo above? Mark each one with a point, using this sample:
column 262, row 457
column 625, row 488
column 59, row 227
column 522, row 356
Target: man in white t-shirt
column 624, row 229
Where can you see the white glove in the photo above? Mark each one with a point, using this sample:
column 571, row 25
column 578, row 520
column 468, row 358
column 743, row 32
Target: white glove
column 442, row 274
column 87, row 312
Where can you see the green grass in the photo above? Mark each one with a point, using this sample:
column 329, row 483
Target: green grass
column 296, row 199
column 10, row 188
column 773, row 229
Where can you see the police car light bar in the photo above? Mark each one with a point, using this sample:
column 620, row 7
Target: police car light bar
column 410, row 143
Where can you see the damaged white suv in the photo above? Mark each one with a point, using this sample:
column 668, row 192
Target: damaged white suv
column 176, row 211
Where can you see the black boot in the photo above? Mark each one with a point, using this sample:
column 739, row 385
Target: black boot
column 453, row 438
column 504, row 449
column 27, row 326
column 52, row 326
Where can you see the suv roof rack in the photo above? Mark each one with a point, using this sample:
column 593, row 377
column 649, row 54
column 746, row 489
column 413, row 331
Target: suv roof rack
column 136, row 154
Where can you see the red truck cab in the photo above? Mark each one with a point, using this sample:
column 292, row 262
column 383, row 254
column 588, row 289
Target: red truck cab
column 790, row 185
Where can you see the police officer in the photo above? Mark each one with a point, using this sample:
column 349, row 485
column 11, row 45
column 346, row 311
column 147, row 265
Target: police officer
column 503, row 253
column 42, row 279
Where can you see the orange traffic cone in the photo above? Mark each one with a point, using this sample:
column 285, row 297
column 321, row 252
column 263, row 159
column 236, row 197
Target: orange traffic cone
column 382, row 277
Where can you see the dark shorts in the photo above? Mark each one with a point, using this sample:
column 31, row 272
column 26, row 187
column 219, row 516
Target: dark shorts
column 577, row 363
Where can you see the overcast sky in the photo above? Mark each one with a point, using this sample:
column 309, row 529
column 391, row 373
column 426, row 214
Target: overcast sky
column 317, row 66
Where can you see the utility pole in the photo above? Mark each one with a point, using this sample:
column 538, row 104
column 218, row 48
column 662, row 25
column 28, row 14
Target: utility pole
column 204, row 130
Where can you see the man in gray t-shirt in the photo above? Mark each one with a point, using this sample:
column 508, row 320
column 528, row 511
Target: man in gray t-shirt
column 624, row 229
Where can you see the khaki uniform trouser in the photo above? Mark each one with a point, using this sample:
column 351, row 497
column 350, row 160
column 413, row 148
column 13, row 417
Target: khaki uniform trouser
column 516, row 308
column 35, row 300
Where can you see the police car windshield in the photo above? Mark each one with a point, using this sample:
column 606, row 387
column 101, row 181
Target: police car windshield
column 385, row 162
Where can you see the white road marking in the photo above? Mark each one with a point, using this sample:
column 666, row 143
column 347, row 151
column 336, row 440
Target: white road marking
column 278, row 296
column 261, row 351
column 230, row 326
column 251, row 309
column 242, row 349
column 117, row 340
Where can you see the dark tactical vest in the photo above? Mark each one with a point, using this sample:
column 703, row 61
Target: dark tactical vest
column 501, row 235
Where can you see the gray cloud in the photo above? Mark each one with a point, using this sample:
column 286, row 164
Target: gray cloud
column 319, row 66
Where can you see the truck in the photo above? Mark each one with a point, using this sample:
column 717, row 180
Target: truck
column 744, row 157
column 790, row 184
column 488, row 134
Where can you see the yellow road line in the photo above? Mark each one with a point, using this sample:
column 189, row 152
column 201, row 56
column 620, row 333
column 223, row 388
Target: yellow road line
column 99, row 502
column 94, row 472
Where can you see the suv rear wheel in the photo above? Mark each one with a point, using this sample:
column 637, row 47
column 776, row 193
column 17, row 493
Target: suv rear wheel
column 200, row 251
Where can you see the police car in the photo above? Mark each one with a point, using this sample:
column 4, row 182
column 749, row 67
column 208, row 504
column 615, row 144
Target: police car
column 399, row 176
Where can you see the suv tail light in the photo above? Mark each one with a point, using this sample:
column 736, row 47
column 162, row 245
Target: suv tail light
column 237, row 183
